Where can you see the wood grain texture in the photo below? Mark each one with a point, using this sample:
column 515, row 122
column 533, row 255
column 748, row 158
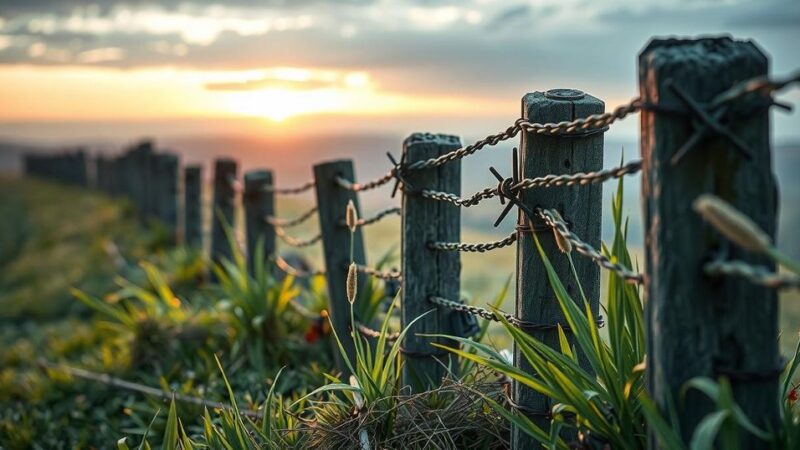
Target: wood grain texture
column 429, row 272
column 580, row 206
column 332, row 202
column 698, row 326
column 225, row 171
column 258, row 204
column 192, row 207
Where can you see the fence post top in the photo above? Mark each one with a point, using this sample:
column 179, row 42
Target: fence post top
column 432, row 138
column 559, row 96
column 258, row 176
column 225, row 163
column 193, row 170
column 334, row 162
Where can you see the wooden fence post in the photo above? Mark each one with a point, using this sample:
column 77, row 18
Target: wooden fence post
column 428, row 272
column 164, row 192
column 259, row 203
column 580, row 206
column 332, row 202
column 192, row 207
column 698, row 325
column 224, row 207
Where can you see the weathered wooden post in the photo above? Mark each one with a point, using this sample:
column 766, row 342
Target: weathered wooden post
column 259, row 203
column 332, row 202
column 428, row 272
column 224, row 207
column 164, row 192
column 580, row 206
column 698, row 325
column 192, row 207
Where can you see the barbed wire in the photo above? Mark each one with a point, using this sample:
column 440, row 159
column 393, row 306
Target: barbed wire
column 288, row 223
column 759, row 275
column 381, row 274
column 579, row 178
column 394, row 210
column 291, row 190
column 375, row 334
column 552, row 220
column 295, row 272
column 361, row 187
column 594, row 122
column 763, row 85
column 490, row 315
column 294, row 242
column 475, row 248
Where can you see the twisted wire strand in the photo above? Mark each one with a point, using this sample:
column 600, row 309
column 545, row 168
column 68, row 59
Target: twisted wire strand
column 395, row 210
column 489, row 315
column 290, row 190
column 594, row 122
column 361, row 187
column 477, row 248
column 375, row 334
column 579, row 178
column 288, row 223
column 295, row 272
column 381, row 274
column 294, row 242
column 755, row 274
column 587, row 250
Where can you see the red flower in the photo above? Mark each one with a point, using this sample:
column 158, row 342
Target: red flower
column 312, row 334
column 792, row 396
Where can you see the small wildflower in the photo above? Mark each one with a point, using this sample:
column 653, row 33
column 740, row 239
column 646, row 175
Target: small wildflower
column 732, row 223
column 792, row 396
column 351, row 216
column 352, row 280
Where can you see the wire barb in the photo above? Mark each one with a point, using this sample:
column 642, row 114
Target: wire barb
column 475, row 248
column 755, row 274
column 288, row 223
column 587, row 250
column 294, row 242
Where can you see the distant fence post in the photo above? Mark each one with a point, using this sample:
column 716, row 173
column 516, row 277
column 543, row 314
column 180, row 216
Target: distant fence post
column 259, row 203
column 428, row 272
column 164, row 192
column 580, row 206
column 192, row 207
column 698, row 325
column 332, row 202
column 223, row 207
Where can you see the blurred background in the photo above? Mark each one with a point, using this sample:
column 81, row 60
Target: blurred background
column 284, row 84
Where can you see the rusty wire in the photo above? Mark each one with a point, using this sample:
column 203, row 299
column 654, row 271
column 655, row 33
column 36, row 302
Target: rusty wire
column 755, row 274
column 474, row 248
column 552, row 220
column 395, row 210
column 375, row 334
column 291, row 190
column 361, row 187
column 763, row 85
column 288, row 223
column 547, row 181
column 490, row 315
column 294, row 242
column 577, row 127
column 293, row 271
column 377, row 273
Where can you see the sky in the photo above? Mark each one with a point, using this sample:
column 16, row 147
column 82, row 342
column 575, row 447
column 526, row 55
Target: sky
column 88, row 68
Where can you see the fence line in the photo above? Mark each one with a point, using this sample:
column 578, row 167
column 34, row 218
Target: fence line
column 429, row 185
